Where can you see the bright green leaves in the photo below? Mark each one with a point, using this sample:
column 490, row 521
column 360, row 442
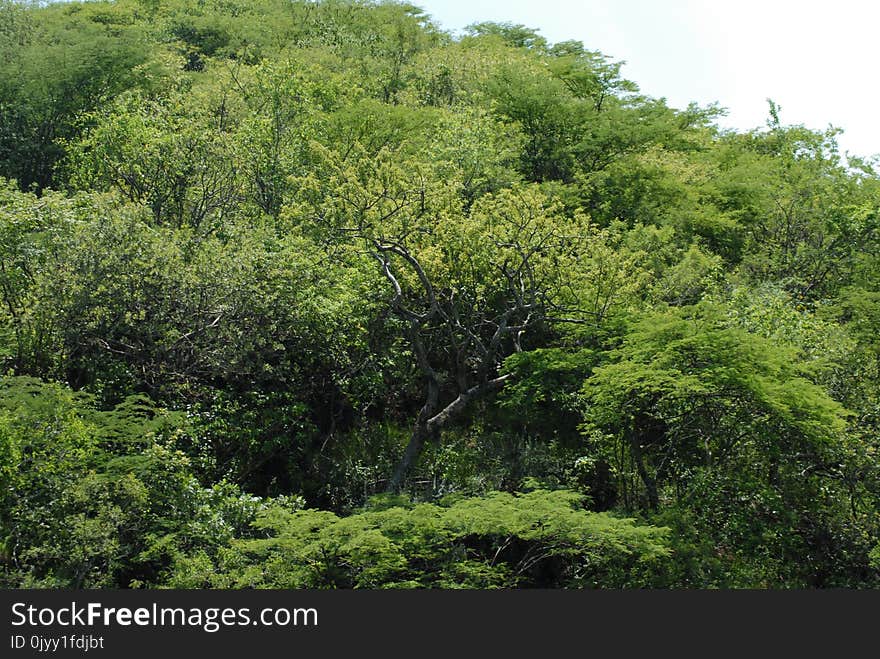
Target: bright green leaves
column 276, row 125
column 357, row 194
column 549, row 117
column 209, row 152
column 319, row 230
column 89, row 496
column 515, row 36
column 156, row 154
column 805, row 213
column 541, row 538
column 54, row 69
column 682, row 369
column 589, row 74
column 692, row 409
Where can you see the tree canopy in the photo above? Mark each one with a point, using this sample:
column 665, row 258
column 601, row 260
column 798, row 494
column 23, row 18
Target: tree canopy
column 317, row 295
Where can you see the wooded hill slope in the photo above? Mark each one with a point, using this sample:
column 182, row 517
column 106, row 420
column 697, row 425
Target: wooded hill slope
column 313, row 294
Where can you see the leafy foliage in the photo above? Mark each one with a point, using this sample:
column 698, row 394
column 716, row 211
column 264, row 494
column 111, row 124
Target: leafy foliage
column 262, row 262
column 537, row 539
column 98, row 498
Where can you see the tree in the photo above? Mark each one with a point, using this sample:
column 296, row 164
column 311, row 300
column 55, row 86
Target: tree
column 688, row 392
column 97, row 498
column 466, row 288
column 535, row 539
column 808, row 218
column 156, row 152
column 312, row 251
column 54, row 71
column 515, row 35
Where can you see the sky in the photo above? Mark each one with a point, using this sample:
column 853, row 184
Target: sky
column 817, row 60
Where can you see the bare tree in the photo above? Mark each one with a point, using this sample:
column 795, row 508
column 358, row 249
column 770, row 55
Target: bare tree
column 467, row 285
column 477, row 331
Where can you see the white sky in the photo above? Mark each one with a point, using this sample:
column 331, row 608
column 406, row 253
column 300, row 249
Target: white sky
column 817, row 60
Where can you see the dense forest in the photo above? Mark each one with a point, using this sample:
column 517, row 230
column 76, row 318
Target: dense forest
column 300, row 294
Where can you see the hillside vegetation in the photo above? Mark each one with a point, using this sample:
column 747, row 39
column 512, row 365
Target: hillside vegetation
column 303, row 294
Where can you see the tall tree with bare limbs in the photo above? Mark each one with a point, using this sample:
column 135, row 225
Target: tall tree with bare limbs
column 467, row 287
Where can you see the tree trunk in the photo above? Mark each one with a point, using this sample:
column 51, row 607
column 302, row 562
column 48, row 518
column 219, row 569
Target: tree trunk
column 648, row 480
column 413, row 450
column 430, row 424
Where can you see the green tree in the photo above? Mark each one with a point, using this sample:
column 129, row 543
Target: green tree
column 537, row 539
column 57, row 64
column 96, row 498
